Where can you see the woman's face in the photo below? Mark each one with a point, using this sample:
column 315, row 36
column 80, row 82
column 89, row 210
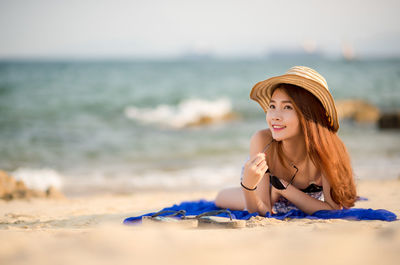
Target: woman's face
column 281, row 117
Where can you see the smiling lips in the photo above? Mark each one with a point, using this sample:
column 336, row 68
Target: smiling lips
column 278, row 128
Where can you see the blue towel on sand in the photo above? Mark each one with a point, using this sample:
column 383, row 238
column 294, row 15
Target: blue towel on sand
column 201, row 206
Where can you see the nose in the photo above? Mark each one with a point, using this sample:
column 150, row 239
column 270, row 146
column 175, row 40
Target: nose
column 276, row 115
column 276, row 118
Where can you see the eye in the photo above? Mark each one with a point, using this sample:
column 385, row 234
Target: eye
column 272, row 106
column 288, row 107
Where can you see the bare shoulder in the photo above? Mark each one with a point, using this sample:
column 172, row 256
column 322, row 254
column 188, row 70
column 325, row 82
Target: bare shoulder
column 262, row 136
column 259, row 140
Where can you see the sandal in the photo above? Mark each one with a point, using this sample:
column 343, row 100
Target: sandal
column 210, row 220
column 203, row 220
column 170, row 217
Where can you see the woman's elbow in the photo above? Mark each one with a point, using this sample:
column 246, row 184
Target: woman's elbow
column 231, row 198
column 219, row 200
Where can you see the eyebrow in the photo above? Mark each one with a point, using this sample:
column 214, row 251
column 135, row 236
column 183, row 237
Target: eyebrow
column 283, row 101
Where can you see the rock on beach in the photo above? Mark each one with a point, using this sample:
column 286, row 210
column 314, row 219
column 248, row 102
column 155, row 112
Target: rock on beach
column 16, row 189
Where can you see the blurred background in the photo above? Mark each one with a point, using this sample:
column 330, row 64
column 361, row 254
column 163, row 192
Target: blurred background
column 119, row 96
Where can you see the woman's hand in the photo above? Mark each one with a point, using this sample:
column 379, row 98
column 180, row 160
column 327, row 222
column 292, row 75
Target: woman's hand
column 254, row 170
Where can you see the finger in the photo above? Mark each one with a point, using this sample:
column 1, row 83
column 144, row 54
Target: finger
column 265, row 168
column 260, row 168
column 262, row 164
column 256, row 164
column 258, row 158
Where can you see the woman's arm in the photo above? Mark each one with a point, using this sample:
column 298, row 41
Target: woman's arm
column 259, row 199
column 307, row 203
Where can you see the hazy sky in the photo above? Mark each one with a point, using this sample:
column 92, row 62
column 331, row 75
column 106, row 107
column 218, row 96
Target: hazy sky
column 157, row 28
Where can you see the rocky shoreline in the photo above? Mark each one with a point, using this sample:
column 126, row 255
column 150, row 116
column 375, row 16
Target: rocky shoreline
column 11, row 189
column 362, row 111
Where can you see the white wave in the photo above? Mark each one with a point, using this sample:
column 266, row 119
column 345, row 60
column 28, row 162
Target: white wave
column 39, row 179
column 186, row 113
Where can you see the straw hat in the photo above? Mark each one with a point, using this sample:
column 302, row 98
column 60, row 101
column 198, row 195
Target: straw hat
column 304, row 77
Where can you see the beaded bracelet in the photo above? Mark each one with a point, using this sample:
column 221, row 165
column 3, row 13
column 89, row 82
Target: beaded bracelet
column 248, row 188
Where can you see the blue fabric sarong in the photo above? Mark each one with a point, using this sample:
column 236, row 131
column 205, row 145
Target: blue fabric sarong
column 201, row 206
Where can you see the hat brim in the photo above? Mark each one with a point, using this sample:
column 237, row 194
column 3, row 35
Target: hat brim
column 262, row 93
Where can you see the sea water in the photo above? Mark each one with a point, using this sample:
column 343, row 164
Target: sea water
column 122, row 126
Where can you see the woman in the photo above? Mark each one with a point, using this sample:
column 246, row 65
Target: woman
column 299, row 162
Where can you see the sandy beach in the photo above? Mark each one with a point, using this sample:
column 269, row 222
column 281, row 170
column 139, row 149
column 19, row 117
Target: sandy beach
column 89, row 230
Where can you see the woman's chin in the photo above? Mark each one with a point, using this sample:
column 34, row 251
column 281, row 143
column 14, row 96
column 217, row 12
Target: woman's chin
column 277, row 138
column 281, row 136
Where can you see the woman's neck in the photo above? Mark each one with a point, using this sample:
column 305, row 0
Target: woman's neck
column 295, row 149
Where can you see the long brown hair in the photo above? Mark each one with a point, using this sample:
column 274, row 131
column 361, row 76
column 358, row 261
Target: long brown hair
column 323, row 146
